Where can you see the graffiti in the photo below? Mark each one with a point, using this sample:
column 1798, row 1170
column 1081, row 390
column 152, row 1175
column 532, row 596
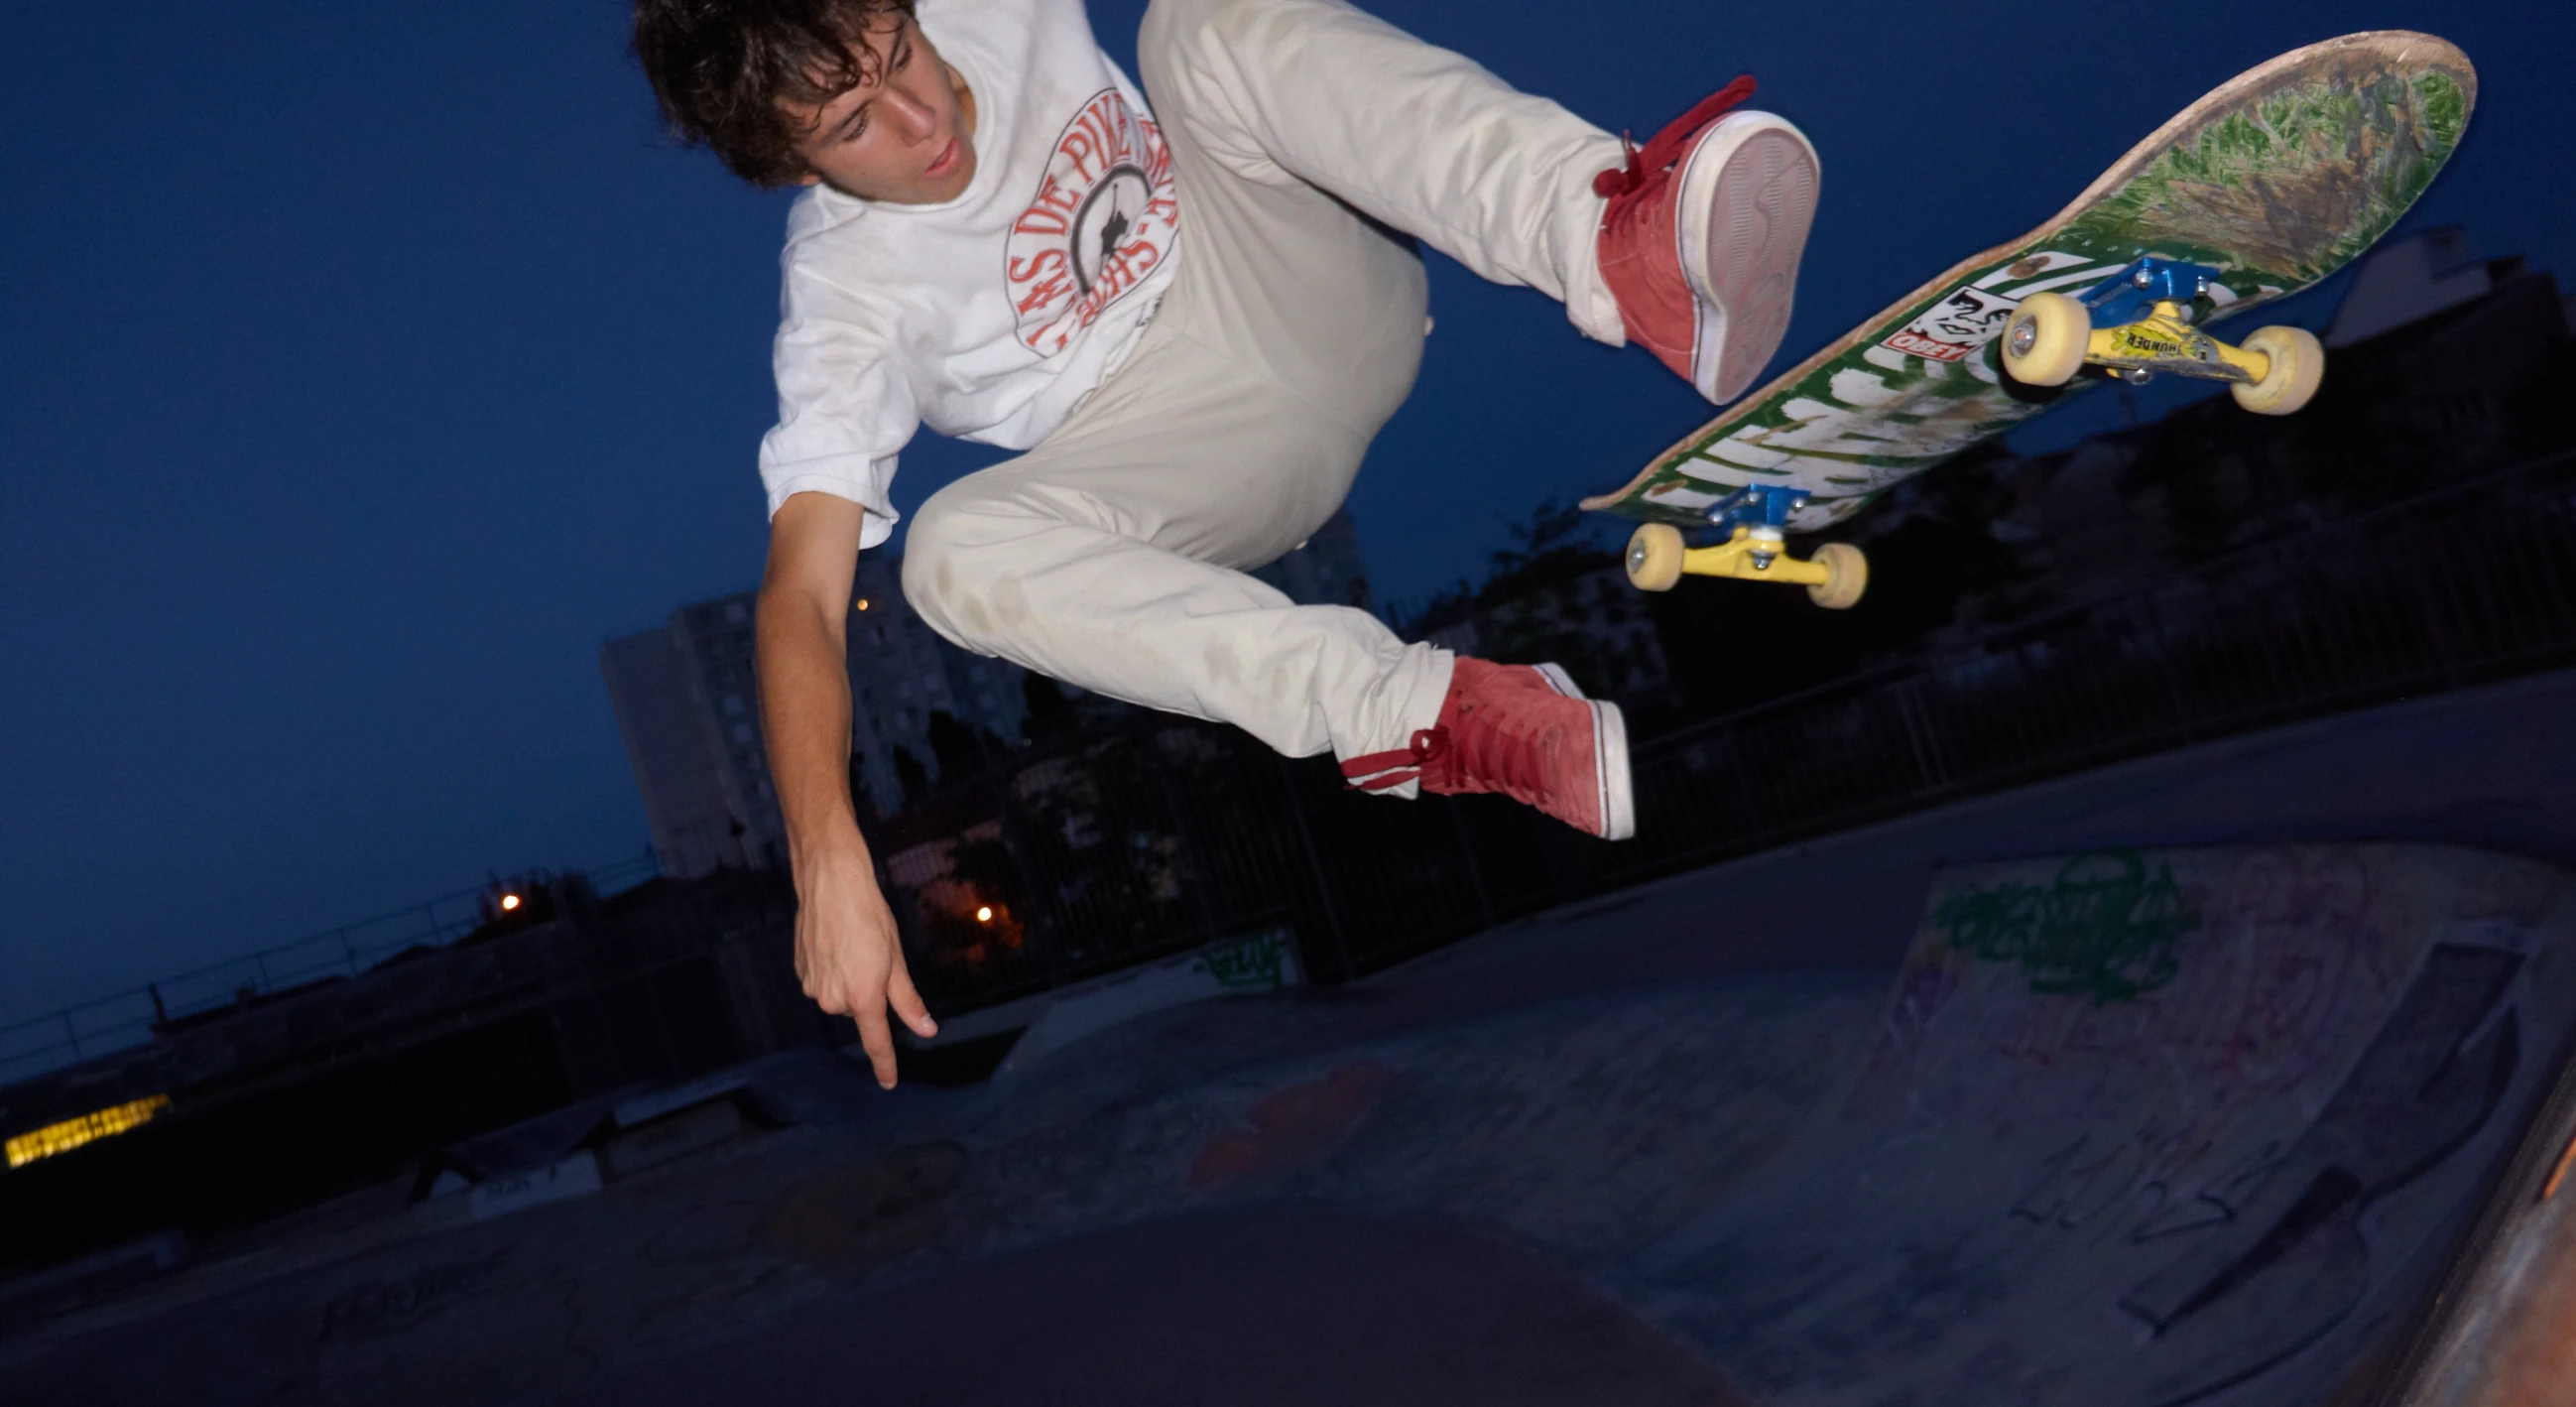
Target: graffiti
column 2104, row 929
column 2290, row 1256
column 871, row 1213
column 390, row 1306
column 2417, row 1093
column 2219, row 1199
column 1292, row 1126
column 2273, row 1234
column 2293, row 949
column 2127, row 1189
column 1254, row 965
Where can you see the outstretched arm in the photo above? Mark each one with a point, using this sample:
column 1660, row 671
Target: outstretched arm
column 846, row 950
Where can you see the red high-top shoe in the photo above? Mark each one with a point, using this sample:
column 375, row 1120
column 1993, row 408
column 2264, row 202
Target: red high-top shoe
column 1524, row 731
column 1700, row 244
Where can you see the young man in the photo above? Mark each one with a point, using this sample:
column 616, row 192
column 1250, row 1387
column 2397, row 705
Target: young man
column 1193, row 319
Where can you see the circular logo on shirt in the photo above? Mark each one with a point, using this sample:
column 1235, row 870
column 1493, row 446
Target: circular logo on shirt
column 1103, row 218
column 1106, row 224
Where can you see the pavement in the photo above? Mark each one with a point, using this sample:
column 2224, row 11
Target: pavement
column 2172, row 1082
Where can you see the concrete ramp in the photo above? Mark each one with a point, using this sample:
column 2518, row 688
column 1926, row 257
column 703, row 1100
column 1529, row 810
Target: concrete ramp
column 2130, row 1128
column 2144, row 1128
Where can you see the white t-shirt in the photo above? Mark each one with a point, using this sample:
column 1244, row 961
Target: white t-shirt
column 991, row 316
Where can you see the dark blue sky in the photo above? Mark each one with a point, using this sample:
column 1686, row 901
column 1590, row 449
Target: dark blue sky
column 364, row 367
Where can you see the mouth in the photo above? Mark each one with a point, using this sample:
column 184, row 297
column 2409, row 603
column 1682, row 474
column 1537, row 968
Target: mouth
column 945, row 163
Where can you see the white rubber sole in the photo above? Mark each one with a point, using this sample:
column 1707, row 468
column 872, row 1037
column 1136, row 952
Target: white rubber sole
column 1610, row 768
column 1747, row 201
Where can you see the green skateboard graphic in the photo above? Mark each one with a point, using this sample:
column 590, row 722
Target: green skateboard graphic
column 2262, row 188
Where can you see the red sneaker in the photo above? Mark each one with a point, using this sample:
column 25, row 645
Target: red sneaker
column 1524, row 731
column 1700, row 244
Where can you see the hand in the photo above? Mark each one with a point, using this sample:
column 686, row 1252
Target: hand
column 849, row 957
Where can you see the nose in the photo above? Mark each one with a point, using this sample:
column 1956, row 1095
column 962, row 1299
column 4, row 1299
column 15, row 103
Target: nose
column 913, row 119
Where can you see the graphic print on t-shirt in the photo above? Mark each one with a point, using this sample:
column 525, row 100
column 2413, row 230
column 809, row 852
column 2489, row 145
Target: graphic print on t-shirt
column 1103, row 218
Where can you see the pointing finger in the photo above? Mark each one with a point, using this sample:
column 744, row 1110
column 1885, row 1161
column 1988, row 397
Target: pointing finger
column 878, row 1038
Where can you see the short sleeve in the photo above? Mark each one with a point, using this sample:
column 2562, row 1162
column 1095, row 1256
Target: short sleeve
column 846, row 408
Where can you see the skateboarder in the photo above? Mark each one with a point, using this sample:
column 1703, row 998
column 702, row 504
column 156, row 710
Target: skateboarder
column 1192, row 318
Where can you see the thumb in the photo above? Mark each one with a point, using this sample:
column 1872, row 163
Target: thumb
column 907, row 1002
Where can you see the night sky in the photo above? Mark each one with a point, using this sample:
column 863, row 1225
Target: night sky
column 364, row 367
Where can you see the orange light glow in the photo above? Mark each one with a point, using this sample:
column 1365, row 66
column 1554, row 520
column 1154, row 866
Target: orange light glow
column 984, row 914
column 509, row 902
column 860, row 604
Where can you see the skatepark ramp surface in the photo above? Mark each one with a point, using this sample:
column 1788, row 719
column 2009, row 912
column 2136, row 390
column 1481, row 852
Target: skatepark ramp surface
column 2179, row 1123
column 2145, row 1128
column 2151, row 1128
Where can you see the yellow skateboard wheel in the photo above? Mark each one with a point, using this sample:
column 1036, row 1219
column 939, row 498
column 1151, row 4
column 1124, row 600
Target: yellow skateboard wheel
column 2298, row 365
column 1846, row 577
column 1655, row 557
column 2045, row 341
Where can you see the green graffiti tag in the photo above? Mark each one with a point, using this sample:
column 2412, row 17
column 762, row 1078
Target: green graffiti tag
column 1256, row 964
column 2105, row 929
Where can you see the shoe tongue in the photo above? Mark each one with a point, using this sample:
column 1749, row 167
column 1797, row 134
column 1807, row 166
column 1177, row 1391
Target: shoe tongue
column 1667, row 146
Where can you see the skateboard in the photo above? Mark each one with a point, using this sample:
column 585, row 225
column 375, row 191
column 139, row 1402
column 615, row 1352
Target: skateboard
column 2262, row 188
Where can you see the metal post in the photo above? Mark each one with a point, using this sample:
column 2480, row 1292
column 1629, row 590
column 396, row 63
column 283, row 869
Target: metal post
column 1198, row 882
column 1009, row 825
column 1467, row 852
column 1928, row 762
column 1314, row 866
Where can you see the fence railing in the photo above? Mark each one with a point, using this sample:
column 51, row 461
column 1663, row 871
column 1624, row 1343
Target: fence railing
column 36, row 1044
column 1121, row 847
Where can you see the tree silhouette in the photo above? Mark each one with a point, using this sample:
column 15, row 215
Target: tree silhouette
column 954, row 747
column 910, row 775
column 1048, row 713
column 862, row 800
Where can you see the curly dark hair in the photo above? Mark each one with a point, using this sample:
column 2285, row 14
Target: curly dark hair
column 720, row 69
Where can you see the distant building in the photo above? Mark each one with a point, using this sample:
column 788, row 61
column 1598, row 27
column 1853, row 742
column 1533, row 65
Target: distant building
column 687, row 701
column 901, row 671
column 2411, row 278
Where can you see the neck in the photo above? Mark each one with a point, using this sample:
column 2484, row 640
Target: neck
column 965, row 99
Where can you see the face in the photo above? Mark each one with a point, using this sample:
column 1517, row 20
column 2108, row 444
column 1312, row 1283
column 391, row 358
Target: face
column 905, row 136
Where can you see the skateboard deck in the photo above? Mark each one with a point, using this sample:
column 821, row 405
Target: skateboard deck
column 2272, row 182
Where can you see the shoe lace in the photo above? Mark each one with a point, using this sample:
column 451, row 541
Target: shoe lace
column 1429, row 745
column 1666, row 146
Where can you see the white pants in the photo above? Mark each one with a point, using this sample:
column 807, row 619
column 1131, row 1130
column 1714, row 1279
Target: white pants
column 1111, row 555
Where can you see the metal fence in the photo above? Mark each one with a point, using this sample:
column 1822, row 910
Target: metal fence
column 37, row 1044
column 1121, row 847
column 1065, row 862
column 353, row 1080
